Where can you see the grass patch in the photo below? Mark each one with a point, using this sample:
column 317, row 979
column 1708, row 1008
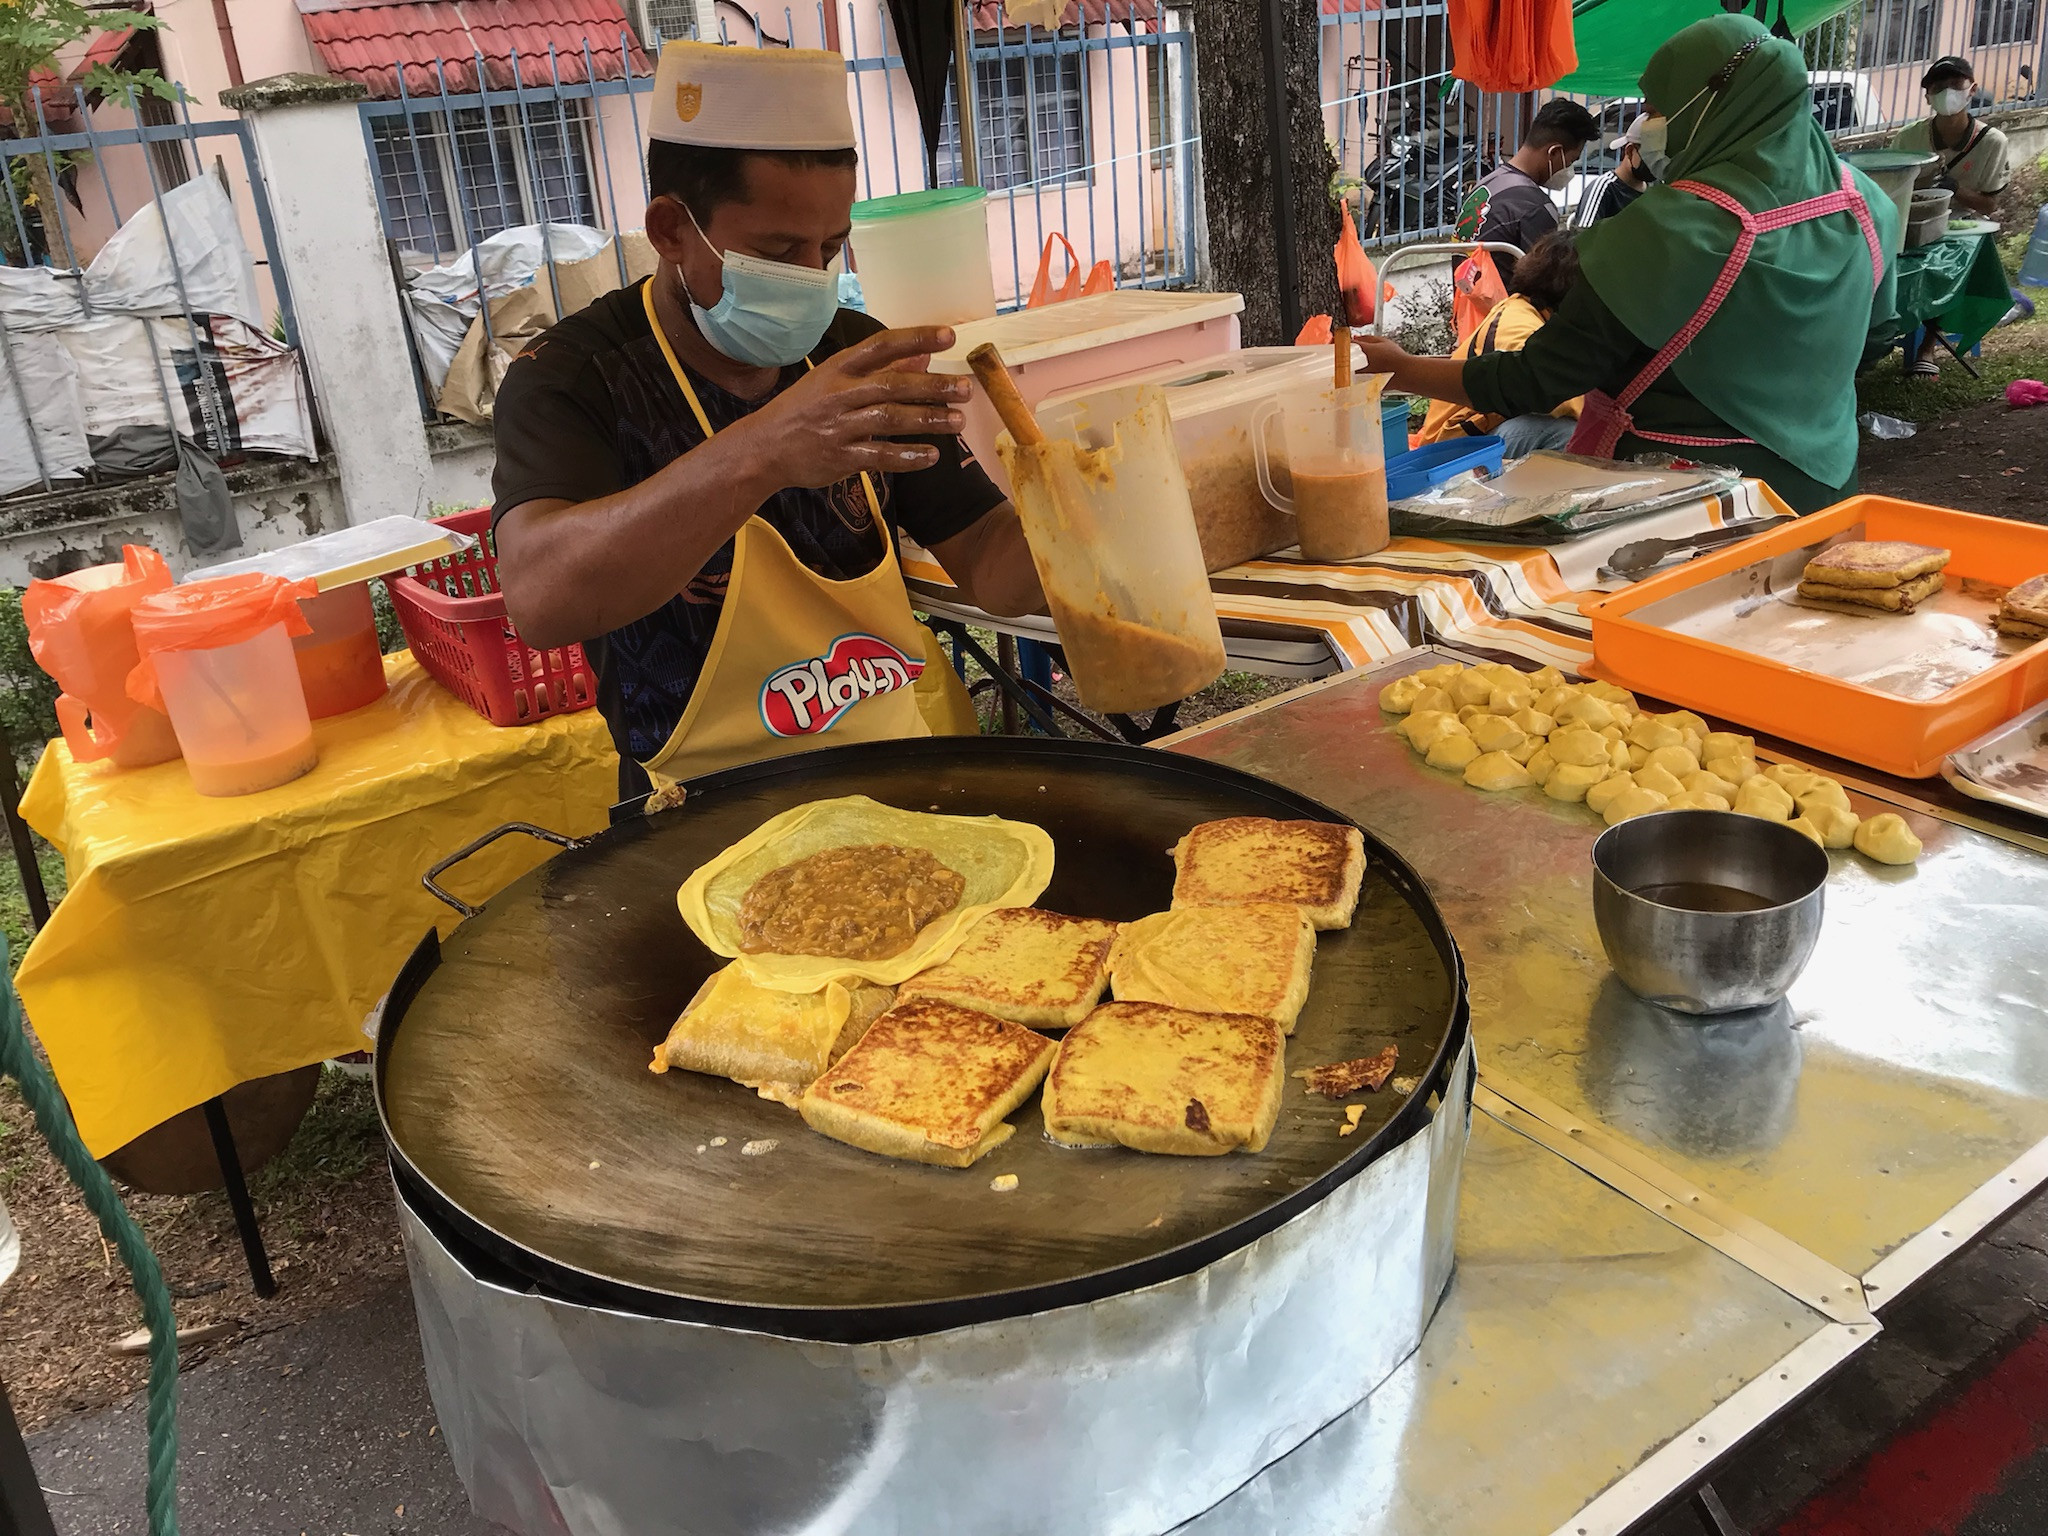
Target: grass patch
column 336, row 1143
column 2010, row 352
column 14, row 918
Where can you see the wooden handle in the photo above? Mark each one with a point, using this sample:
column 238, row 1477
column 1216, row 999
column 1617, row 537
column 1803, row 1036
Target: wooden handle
column 1342, row 335
column 1001, row 390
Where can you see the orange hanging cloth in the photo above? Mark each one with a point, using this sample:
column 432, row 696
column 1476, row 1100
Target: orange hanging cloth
column 1510, row 46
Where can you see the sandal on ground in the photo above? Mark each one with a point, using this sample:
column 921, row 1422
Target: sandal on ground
column 1923, row 368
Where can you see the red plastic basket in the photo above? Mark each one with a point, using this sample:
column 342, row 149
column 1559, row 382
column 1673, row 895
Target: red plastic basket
column 454, row 620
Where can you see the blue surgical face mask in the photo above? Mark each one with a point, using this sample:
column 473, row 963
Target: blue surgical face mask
column 771, row 313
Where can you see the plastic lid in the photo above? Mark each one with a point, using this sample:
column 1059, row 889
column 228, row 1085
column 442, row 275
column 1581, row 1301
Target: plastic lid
column 207, row 615
column 1888, row 159
column 903, row 204
column 1055, row 330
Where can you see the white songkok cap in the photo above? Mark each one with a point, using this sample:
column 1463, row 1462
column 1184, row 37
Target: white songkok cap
column 751, row 98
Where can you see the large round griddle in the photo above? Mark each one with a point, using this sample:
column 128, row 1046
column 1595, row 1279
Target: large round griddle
column 513, row 1076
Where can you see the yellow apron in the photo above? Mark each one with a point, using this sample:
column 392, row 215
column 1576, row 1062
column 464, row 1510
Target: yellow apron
column 801, row 661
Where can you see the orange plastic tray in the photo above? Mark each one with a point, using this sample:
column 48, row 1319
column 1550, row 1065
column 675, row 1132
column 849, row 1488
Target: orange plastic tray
column 1908, row 737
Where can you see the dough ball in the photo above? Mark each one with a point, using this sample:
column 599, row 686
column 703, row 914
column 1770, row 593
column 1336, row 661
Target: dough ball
column 1607, row 789
column 1551, row 700
column 1580, row 748
column 1837, row 825
column 1618, row 756
column 1734, row 769
column 1431, row 701
column 1510, row 699
column 1470, row 712
column 1496, row 734
column 1473, row 687
column 1806, row 828
column 1727, row 744
column 1797, row 784
column 1649, row 732
column 1708, row 782
column 1822, row 791
column 1638, row 757
column 1623, row 715
column 1692, row 741
column 1686, row 720
column 1443, row 674
column 1613, row 694
column 1676, row 761
column 1546, row 677
column 1662, row 780
column 1634, row 801
column 1614, row 733
column 1778, row 773
column 1452, row 752
column 1495, row 771
column 1532, row 722
column 1541, row 763
column 1760, row 797
column 1887, row 839
column 1424, row 729
column 1526, row 752
column 1584, row 710
column 1498, row 672
column 1700, row 800
column 1398, row 697
column 1569, row 781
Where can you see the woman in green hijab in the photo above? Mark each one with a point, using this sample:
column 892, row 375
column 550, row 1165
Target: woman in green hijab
column 1758, row 373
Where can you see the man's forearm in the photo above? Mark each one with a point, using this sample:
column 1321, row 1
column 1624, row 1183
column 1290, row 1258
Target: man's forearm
column 1976, row 202
column 571, row 571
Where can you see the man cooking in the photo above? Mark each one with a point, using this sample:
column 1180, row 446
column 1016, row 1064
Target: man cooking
column 697, row 475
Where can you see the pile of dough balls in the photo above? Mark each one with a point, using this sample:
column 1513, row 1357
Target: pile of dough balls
column 1589, row 742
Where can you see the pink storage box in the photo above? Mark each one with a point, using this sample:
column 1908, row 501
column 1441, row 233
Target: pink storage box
column 1064, row 349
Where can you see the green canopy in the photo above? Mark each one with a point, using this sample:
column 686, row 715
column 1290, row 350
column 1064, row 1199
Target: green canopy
column 1616, row 37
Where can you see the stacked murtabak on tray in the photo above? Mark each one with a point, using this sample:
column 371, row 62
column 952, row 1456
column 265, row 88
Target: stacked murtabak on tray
column 1591, row 743
column 914, row 1022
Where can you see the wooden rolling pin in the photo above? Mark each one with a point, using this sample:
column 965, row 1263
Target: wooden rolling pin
column 1001, row 390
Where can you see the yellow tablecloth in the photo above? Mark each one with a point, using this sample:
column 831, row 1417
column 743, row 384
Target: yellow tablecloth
column 206, row 942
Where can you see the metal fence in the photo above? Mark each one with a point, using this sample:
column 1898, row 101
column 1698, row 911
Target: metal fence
column 1087, row 132
column 74, row 178
column 1411, row 139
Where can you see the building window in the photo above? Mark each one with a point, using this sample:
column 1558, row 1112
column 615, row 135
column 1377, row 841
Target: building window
column 667, row 21
column 167, row 157
column 507, row 170
column 1031, row 122
column 2002, row 21
column 1896, row 32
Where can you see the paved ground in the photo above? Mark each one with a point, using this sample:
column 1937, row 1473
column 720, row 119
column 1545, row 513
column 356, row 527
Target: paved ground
column 325, row 1429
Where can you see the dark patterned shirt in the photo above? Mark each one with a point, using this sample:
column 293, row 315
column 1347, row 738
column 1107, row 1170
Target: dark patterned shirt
column 592, row 408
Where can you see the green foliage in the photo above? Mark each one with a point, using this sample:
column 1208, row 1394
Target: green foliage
column 1426, row 326
column 28, row 695
column 34, row 32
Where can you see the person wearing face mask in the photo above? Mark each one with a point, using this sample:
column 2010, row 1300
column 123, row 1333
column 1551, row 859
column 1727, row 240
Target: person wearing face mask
column 1513, row 203
column 1723, row 314
column 1972, row 160
column 1609, row 193
column 701, row 476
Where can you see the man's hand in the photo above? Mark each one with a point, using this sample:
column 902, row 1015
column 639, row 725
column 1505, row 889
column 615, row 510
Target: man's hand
column 837, row 420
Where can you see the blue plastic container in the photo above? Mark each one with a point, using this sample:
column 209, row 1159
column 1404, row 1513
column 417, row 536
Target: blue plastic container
column 1417, row 470
column 1394, row 427
column 2034, row 270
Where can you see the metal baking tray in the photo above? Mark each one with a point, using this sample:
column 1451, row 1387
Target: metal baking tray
column 2008, row 766
column 512, row 1072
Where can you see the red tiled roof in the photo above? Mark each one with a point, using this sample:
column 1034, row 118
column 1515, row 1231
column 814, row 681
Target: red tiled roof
column 368, row 42
column 105, row 49
column 988, row 15
column 1348, row 7
column 59, row 102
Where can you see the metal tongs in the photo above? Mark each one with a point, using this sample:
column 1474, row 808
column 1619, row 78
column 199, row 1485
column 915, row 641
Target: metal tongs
column 1634, row 561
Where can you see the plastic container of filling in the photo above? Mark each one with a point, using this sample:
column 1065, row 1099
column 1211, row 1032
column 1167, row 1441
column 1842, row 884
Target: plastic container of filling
column 1930, row 216
column 80, row 632
column 218, row 656
column 923, row 257
column 1084, row 344
column 1105, row 508
column 1894, row 170
column 1336, row 455
column 1212, row 404
column 341, row 666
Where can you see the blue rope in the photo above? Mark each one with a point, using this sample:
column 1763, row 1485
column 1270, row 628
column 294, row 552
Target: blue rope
column 53, row 1119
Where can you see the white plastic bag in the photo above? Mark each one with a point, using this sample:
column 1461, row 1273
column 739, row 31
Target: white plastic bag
column 132, row 273
column 48, row 382
column 39, row 298
column 443, row 300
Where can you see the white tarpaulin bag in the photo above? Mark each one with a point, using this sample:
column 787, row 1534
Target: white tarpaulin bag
column 39, row 298
column 443, row 300
column 47, row 380
column 132, row 273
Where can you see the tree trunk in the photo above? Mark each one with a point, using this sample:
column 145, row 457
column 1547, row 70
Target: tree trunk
column 1238, row 181
column 46, row 192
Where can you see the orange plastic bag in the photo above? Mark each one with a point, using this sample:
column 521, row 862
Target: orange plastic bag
column 1475, row 288
column 1512, row 45
column 206, row 615
column 1101, row 277
column 79, row 632
column 1319, row 332
column 1357, row 279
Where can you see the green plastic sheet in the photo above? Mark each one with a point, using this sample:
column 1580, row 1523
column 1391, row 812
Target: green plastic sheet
column 1615, row 38
column 1958, row 283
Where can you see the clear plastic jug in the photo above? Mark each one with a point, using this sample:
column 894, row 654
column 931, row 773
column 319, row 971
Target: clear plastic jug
column 218, row 655
column 1337, row 461
column 80, row 633
column 341, row 665
column 1105, row 508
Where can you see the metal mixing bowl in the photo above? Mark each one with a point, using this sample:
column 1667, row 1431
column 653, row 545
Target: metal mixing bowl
column 1708, row 962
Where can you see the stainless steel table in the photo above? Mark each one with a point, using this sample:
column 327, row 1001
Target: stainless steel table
column 1759, row 1188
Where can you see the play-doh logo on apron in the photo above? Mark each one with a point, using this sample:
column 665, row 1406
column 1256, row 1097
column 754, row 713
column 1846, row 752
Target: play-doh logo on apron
column 805, row 697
